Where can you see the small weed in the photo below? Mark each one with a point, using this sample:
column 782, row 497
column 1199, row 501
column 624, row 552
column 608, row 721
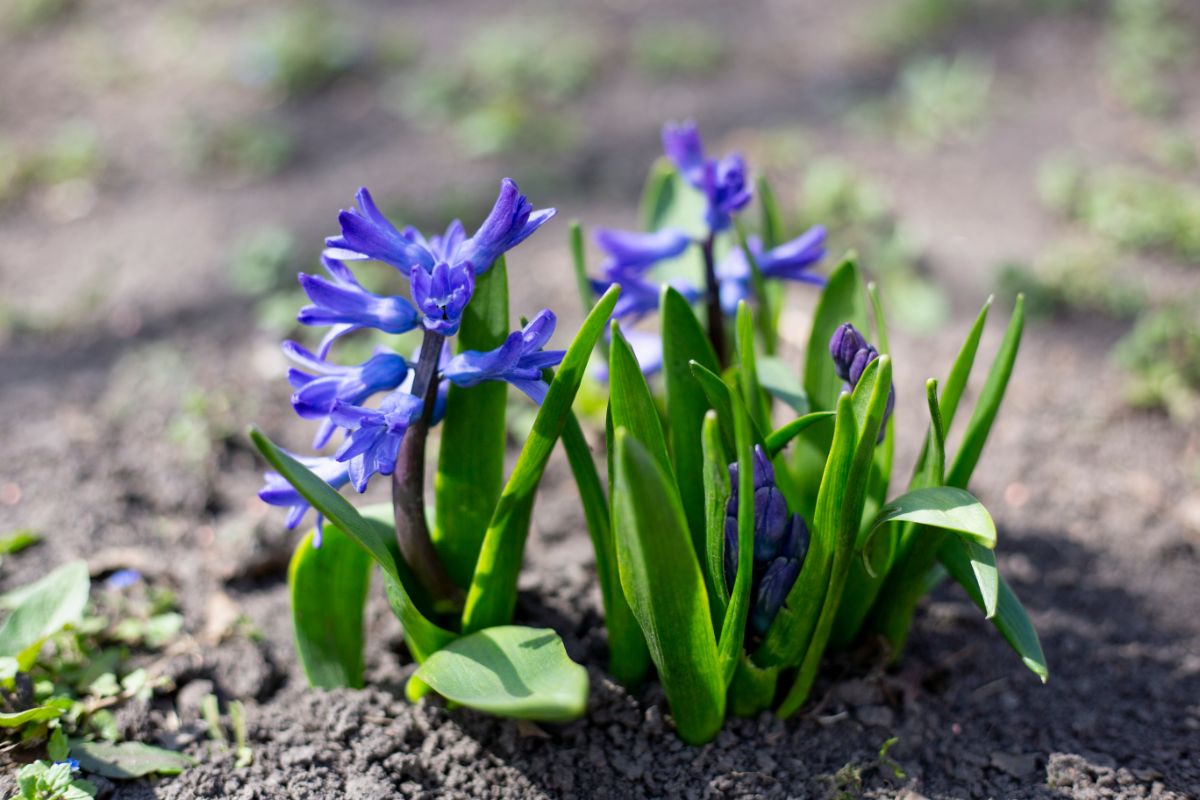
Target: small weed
column 943, row 100
column 298, row 50
column 1148, row 45
column 1162, row 355
column 252, row 147
column 1074, row 276
column 676, row 49
column 263, row 261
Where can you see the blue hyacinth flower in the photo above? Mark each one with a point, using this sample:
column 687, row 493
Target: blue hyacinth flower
column 324, row 384
column 368, row 234
column 791, row 261
column 343, row 303
column 519, row 361
column 723, row 182
column 375, row 435
column 278, row 492
column 442, row 295
column 635, row 251
column 770, row 514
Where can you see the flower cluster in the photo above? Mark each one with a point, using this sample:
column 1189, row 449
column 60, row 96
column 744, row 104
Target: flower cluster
column 851, row 355
column 441, row 271
column 631, row 255
column 780, row 543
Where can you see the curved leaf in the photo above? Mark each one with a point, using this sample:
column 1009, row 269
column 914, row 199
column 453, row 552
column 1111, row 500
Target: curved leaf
column 716, row 496
column 510, row 671
column 128, row 759
column 784, row 434
column 43, row 609
column 16, row 719
column 662, row 582
column 493, row 593
column 778, row 379
column 466, row 489
column 945, row 507
column 329, row 589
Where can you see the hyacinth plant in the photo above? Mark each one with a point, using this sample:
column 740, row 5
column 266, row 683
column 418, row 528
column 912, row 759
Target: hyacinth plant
column 450, row 571
column 733, row 550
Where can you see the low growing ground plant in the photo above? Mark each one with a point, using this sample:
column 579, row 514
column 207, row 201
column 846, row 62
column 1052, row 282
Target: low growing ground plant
column 731, row 551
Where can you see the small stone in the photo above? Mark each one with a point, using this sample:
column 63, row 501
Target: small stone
column 1019, row 765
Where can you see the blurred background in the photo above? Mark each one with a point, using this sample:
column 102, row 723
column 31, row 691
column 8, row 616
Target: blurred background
column 166, row 168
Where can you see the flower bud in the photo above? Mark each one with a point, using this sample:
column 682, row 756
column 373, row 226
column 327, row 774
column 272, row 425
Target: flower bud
column 844, row 345
column 773, row 589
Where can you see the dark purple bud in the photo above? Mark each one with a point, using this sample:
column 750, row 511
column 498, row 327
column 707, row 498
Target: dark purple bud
column 859, row 364
column 844, row 345
column 731, row 551
column 773, row 589
column 795, row 542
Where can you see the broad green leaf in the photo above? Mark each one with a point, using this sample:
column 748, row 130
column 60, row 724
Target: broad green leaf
column 684, row 341
column 841, row 301
column 716, row 497
column 662, row 582
column 849, row 521
column 493, row 593
column 752, row 394
column 329, row 589
column 733, row 626
column 632, row 404
column 788, row 637
column 629, row 660
column 784, row 434
column 423, row 636
column 128, row 760
column 752, row 689
column 989, row 401
column 16, row 719
column 771, row 220
column 781, row 382
column 1010, row 618
column 983, row 565
column 510, row 671
column 658, row 195
column 945, row 507
column 668, row 201
column 718, row 395
column 881, row 476
column 466, row 489
column 45, row 607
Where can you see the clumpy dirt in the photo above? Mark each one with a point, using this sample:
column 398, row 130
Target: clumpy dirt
column 124, row 417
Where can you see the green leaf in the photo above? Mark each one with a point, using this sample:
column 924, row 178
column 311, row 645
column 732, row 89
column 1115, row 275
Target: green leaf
column 44, row 608
column 16, row 719
column 684, row 341
column 784, row 434
column 629, row 660
column 989, row 401
column 658, row 195
column 752, row 394
column 881, row 477
column 510, row 671
column 779, row 380
column 733, row 626
column 772, row 216
column 716, row 496
column 128, row 760
column 788, row 637
column 946, row 507
column 17, row 541
column 719, row 397
column 466, row 489
column 583, row 283
column 423, row 636
column 849, row 519
column 329, row 589
column 1010, row 618
column 841, row 301
column 662, row 581
column 493, row 593
column 632, row 404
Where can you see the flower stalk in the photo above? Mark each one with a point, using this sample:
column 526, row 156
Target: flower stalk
column 408, row 485
column 712, row 301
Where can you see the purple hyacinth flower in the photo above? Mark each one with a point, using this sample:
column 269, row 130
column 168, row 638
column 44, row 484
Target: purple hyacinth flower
column 347, row 306
column 723, row 182
column 510, row 222
column 375, row 435
column 771, row 591
column 635, row 251
column 442, row 295
column 639, row 296
column 733, row 280
column 791, row 261
column 520, row 360
column 770, row 507
column 316, row 393
column 368, row 235
column 796, row 541
column 278, row 492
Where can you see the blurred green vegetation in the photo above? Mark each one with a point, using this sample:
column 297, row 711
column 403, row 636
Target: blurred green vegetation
column 1162, row 355
column 1075, row 275
column 1148, row 45
column 299, row 49
column 73, row 152
column 676, row 48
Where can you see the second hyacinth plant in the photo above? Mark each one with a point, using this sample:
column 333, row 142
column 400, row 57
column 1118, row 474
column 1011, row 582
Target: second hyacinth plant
column 450, row 571
column 749, row 525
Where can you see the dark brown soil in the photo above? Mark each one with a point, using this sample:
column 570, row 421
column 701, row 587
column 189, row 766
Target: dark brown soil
column 103, row 452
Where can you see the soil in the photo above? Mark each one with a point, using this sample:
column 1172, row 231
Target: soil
column 106, row 453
